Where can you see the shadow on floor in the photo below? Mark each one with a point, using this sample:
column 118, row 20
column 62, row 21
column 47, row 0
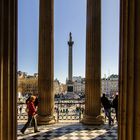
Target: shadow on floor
column 76, row 131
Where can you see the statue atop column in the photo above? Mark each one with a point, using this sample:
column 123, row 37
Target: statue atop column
column 70, row 65
column 70, row 34
column 70, row 42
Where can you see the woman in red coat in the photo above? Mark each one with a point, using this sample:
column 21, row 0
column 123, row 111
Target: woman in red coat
column 31, row 115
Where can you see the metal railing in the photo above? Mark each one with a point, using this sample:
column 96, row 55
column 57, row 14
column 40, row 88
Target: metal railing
column 69, row 110
column 63, row 110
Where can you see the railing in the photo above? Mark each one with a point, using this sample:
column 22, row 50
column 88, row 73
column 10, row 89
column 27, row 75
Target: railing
column 69, row 109
column 64, row 110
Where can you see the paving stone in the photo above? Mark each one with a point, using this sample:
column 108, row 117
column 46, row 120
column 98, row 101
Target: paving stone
column 69, row 131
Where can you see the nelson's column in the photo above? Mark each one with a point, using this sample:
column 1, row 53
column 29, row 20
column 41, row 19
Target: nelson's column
column 69, row 81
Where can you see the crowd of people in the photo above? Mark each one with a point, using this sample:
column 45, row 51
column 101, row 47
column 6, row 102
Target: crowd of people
column 107, row 105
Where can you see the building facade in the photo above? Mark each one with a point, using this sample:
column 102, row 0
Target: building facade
column 109, row 85
column 79, row 84
column 28, row 84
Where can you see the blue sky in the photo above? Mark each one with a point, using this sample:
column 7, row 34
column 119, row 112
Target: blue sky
column 69, row 16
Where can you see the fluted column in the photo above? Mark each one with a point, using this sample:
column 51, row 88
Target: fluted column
column 8, row 68
column 46, row 62
column 70, row 58
column 93, row 63
column 70, row 64
column 129, row 71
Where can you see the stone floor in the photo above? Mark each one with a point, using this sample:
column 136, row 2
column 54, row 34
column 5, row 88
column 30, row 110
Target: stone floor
column 69, row 131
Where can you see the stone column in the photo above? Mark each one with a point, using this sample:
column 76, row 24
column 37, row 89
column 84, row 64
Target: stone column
column 70, row 64
column 93, row 63
column 129, row 71
column 8, row 69
column 46, row 62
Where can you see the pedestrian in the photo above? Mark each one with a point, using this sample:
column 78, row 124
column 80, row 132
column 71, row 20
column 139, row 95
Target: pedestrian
column 115, row 105
column 20, row 111
column 31, row 115
column 107, row 108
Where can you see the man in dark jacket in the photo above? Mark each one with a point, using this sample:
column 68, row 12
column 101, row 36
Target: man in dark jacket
column 107, row 108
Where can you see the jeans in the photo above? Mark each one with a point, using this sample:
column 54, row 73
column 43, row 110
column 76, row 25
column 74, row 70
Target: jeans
column 30, row 119
column 108, row 114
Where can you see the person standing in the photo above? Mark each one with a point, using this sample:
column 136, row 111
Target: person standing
column 31, row 115
column 20, row 111
column 107, row 108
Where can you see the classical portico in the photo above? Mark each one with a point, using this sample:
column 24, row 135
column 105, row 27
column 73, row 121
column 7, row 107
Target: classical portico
column 129, row 67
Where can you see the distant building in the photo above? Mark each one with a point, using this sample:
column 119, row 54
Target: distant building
column 79, row 84
column 28, row 84
column 110, row 85
column 63, row 88
column 56, row 89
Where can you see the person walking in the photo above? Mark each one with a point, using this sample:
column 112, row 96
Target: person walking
column 31, row 115
column 115, row 105
column 20, row 111
column 107, row 108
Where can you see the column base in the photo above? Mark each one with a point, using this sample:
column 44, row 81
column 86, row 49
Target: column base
column 44, row 120
column 92, row 120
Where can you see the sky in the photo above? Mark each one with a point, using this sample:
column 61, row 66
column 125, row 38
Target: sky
column 69, row 16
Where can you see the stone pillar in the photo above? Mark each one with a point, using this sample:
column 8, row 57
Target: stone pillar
column 70, row 63
column 129, row 71
column 93, row 63
column 46, row 62
column 8, row 69
column 70, row 66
